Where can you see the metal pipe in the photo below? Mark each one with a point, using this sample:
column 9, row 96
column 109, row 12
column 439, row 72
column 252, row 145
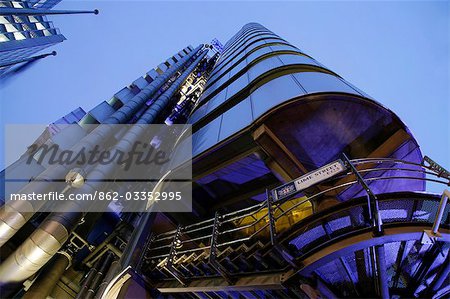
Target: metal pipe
column 64, row 223
column 39, row 248
column 440, row 212
column 161, row 103
column 381, row 271
column 113, row 269
column 87, row 281
column 4, row 11
column 33, row 58
column 99, row 276
column 134, row 251
column 48, row 278
column 13, row 215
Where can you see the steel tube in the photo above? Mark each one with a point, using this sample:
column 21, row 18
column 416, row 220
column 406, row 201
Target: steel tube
column 62, row 224
column 113, row 269
column 87, row 281
column 39, row 248
column 48, row 278
column 440, row 212
column 12, row 215
column 14, row 62
column 99, row 276
column 381, row 271
column 6, row 11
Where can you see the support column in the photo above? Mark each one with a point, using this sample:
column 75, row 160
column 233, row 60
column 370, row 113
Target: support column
column 381, row 272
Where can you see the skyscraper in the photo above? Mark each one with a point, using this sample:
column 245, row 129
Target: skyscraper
column 303, row 186
column 44, row 4
column 25, row 30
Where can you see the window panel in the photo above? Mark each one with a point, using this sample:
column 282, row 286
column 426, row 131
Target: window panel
column 296, row 59
column 263, row 66
column 206, row 137
column 320, row 82
column 236, row 118
column 264, row 98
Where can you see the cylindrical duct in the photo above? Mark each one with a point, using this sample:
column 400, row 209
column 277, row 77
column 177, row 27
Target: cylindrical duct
column 12, row 217
column 47, row 279
column 34, row 252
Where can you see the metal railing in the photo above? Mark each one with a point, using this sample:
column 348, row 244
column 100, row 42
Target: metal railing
column 197, row 237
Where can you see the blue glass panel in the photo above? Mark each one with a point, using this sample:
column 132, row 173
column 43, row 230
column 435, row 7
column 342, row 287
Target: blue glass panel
column 216, row 101
column 296, row 59
column 258, row 53
column 215, row 85
column 273, row 93
column 199, row 113
column 206, row 137
column 226, row 68
column 263, row 67
column 321, row 82
column 237, row 68
column 284, row 48
column 248, row 48
column 236, row 119
column 239, row 172
column 237, row 85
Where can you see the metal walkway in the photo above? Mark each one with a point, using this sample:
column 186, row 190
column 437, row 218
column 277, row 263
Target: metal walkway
column 375, row 245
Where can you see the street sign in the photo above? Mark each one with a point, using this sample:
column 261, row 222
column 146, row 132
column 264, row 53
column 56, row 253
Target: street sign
column 309, row 179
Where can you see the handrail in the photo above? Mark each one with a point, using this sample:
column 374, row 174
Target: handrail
column 254, row 209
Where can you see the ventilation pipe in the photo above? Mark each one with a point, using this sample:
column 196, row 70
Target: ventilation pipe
column 50, row 236
column 49, row 277
column 12, row 215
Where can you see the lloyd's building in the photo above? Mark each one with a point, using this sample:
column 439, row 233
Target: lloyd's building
column 303, row 186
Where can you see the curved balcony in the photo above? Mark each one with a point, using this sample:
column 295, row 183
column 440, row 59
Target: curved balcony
column 334, row 252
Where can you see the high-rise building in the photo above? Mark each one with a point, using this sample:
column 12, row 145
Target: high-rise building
column 303, row 187
column 44, row 4
column 25, row 30
column 23, row 36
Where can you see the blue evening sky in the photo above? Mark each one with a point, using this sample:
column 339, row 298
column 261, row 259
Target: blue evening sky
column 398, row 52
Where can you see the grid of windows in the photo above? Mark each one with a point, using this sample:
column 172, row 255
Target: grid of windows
column 23, row 36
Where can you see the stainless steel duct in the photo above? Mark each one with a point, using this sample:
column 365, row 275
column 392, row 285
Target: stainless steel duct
column 55, row 230
column 12, row 215
column 49, row 277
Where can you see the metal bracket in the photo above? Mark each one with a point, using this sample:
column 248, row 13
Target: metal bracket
column 213, row 251
column 68, row 256
column 77, row 243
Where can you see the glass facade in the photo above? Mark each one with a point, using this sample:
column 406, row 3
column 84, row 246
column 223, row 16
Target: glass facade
column 314, row 113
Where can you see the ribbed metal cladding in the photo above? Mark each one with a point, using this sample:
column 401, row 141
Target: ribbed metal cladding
column 12, row 217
